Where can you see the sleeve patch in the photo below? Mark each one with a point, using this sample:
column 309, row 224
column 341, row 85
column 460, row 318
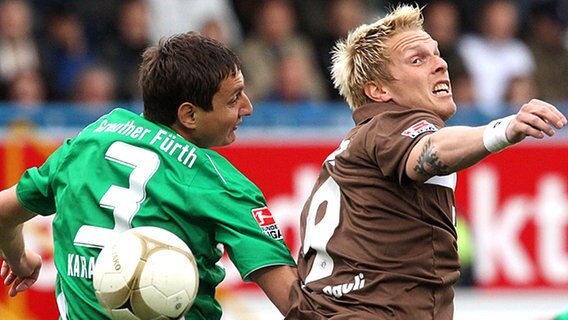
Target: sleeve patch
column 418, row 128
column 266, row 222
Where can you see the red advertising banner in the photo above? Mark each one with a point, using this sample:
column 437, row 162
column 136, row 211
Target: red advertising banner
column 515, row 205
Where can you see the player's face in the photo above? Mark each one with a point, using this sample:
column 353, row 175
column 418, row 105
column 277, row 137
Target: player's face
column 421, row 78
column 230, row 104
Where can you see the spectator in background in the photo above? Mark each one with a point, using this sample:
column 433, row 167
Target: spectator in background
column 213, row 29
column 519, row 90
column 273, row 38
column 314, row 15
column 27, row 89
column 95, row 87
column 96, row 16
column 123, row 51
column 245, row 11
column 66, row 52
column 495, row 55
column 172, row 16
column 18, row 48
column 546, row 42
column 342, row 16
column 293, row 81
column 471, row 11
column 462, row 91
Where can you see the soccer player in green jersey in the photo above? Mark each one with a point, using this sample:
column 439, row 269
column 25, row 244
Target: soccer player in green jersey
column 127, row 170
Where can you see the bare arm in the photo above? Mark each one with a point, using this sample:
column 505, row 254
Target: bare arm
column 455, row 148
column 20, row 267
column 276, row 282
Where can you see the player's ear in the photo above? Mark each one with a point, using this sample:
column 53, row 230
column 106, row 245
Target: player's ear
column 187, row 115
column 376, row 92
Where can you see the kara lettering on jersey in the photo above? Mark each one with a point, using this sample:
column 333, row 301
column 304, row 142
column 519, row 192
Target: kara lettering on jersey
column 266, row 222
column 418, row 128
column 344, row 288
column 80, row 266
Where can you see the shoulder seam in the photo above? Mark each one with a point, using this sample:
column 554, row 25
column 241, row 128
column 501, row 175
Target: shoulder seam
column 216, row 170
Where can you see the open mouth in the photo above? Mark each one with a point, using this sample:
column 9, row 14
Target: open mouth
column 441, row 88
column 237, row 125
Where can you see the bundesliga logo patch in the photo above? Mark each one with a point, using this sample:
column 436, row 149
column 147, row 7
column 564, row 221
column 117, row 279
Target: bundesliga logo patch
column 418, row 128
column 266, row 222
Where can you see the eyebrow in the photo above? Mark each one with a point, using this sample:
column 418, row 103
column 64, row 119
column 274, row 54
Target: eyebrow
column 418, row 47
column 238, row 89
column 410, row 51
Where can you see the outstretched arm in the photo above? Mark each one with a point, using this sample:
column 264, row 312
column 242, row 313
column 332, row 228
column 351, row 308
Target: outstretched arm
column 276, row 282
column 454, row 148
column 20, row 268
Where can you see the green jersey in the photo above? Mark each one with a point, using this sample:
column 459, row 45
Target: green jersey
column 562, row 316
column 124, row 171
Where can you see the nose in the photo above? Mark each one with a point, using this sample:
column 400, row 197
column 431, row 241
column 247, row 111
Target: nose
column 246, row 107
column 441, row 65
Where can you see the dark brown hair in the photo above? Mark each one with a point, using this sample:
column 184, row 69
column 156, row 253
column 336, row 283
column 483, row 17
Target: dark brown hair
column 186, row 67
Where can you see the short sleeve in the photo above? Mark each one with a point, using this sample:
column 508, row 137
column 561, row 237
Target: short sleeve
column 395, row 134
column 236, row 211
column 35, row 189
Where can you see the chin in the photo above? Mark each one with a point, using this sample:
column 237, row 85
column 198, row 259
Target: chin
column 229, row 140
column 447, row 114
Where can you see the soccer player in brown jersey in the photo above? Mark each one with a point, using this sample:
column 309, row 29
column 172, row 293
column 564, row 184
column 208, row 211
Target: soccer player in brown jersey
column 378, row 230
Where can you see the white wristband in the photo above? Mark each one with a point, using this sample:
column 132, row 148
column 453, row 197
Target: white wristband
column 494, row 135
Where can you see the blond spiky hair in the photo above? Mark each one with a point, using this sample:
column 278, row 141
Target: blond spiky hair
column 364, row 56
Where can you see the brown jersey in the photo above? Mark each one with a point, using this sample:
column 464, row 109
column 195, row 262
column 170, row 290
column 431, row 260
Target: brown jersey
column 375, row 244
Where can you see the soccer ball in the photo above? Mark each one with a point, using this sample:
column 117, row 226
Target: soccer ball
column 146, row 273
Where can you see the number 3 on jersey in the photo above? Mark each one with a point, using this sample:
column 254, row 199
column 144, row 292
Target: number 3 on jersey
column 125, row 202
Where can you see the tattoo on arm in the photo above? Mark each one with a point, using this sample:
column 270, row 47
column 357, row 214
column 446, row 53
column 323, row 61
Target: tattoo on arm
column 428, row 163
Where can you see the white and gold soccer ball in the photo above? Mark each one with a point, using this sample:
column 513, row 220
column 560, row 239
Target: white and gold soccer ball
column 146, row 273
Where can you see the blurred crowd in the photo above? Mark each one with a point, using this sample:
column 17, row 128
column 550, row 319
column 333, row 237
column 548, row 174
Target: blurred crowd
column 499, row 52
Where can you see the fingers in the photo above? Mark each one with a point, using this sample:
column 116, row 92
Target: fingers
column 530, row 130
column 18, row 284
column 22, row 285
column 546, row 112
column 14, row 288
column 9, row 279
column 537, row 119
column 5, row 270
column 7, row 274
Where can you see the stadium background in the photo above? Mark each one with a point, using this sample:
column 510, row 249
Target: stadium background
column 513, row 207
